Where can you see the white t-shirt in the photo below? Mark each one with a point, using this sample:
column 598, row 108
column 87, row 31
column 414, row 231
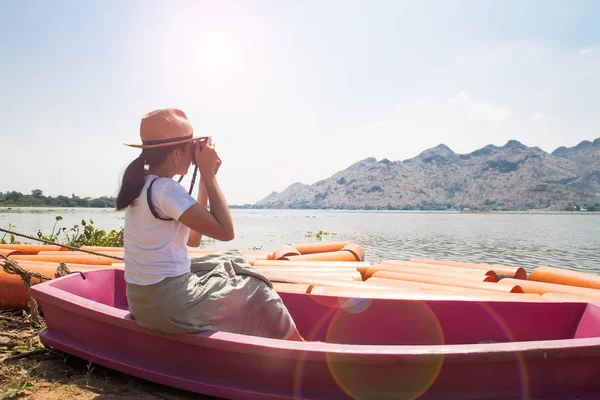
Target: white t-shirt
column 153, row 248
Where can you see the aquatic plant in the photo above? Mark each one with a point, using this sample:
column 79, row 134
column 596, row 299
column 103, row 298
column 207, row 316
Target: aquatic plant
column 318, row 235
column 11, row 237
column 85, row 234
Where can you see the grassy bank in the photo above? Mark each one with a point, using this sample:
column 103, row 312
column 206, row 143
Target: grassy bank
column 57, row 375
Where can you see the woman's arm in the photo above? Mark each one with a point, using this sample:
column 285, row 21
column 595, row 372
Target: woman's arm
column 217, row 222
column 196, row 237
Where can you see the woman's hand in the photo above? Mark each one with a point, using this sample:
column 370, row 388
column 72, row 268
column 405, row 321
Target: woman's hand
column 207, row 159
column 202, row 185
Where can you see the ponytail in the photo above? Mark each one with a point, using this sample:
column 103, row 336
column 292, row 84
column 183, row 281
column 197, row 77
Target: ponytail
column 134, row 176
column 132, row 184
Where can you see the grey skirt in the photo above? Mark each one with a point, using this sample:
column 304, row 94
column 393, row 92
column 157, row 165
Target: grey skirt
column 222, row 292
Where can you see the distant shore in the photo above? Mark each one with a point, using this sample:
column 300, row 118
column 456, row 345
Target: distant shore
column 532, row 212
column 44, row 209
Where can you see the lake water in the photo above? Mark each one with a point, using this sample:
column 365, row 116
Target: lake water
column 567, row 241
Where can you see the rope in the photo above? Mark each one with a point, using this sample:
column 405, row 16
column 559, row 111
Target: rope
column 11, row 267
column 59, row 244
column 63, row 270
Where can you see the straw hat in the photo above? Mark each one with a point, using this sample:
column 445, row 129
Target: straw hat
column 165, row 127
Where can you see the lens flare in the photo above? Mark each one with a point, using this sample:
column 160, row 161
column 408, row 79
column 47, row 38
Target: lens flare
column 300, row 365
column 367, row 375
column 520, row 360
column 403, row 379
column 357, row 321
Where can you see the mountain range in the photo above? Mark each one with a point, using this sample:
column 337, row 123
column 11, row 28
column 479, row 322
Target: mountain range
column 509, row 177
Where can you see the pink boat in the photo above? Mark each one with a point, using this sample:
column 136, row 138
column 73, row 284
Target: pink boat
column 371, row 349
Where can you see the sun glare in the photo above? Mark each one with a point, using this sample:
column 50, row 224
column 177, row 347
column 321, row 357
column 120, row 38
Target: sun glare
column 208, row 43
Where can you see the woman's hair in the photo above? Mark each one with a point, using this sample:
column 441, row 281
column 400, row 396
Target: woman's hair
column 133, row 178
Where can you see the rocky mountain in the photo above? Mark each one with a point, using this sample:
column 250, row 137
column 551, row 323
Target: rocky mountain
column 510, row 177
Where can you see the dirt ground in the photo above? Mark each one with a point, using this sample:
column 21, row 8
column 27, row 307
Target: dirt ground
column 56, row 375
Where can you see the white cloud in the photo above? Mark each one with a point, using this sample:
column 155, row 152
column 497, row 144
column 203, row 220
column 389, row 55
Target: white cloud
column 538, row 115
column 460, row 97
column 485, row 112
column 378, row 124
column 422, row 103
column 586, row 51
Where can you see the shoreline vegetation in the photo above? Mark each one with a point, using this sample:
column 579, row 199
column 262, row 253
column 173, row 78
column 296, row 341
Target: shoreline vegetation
column 36, row 199
column 533, row 212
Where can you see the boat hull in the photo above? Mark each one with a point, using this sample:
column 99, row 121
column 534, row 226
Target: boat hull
column 562, row 365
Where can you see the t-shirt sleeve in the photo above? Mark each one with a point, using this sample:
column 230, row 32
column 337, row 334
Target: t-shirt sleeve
column 174, row 200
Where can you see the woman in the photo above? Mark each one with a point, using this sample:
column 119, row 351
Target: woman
column 166, row 290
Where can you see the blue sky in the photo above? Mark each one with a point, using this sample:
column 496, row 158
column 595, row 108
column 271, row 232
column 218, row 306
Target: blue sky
column 290, row 91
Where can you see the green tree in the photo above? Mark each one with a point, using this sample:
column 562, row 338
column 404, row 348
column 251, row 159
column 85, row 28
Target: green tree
column 13, row 196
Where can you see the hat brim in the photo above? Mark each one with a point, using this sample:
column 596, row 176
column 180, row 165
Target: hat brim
column 152, row 146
